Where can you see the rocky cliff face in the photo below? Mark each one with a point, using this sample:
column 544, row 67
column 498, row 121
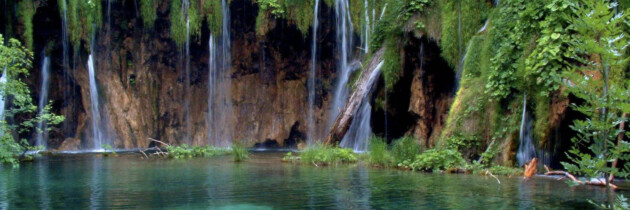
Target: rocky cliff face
column 143, row 90
column 141, row 80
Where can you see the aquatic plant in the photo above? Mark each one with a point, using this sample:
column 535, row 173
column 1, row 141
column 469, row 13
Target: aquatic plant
column 435, row 159
column 320, row 154
column 184, row 151
column 239, row 152
column 378, row 154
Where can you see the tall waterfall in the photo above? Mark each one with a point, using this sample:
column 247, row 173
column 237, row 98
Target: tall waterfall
column 219, row 84
column 366, row 38
column 187, row 91
column 344, row 52
column 359, row 133
column 311, row 78
column 97, row 131
column 65, row 42
column 42, row 135
column 526, row 149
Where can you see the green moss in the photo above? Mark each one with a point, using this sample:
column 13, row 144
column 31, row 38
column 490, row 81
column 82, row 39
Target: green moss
column 179, row 21
column 460, row 21
column 392, row 66
column 214, row 16
column 148, row 12
column 83, row 18
column 26, row 11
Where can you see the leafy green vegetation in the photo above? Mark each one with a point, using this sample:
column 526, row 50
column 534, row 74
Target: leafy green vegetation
column 599, row 81
column 239, row 153
column 16, row 59
column 185, row 21
column 405, row 149
column 378, row 153
column 326, row 155
column 184, row 151
column 434, row 159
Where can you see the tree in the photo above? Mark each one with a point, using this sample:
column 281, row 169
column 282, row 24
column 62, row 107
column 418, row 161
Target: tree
column 15, row 61
column 601, row 43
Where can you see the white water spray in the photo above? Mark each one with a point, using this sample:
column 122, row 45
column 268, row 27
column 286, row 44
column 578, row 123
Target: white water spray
column 344, row 51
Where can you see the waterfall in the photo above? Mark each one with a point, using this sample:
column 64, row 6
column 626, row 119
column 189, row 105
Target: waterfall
column 485, row 25
column 97, row 132
column 220, row 84
column 359, row 133
column 66, row 62
column 3, row 79
column 42, row 134
column 187, row 91
column 526, row 149
column 311, row 78
column 344, row 52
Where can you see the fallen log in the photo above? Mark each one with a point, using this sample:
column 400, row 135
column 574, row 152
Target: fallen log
column 594, row 182
column 343, row 121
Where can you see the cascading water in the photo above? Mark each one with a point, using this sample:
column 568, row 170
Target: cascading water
column 187, row 92
column 344, row 51
column 65, row 42
column 360, row 130
column 311, row 78
column 43, row 101
column 97, row 131
column 219, row 85
column 526, row 149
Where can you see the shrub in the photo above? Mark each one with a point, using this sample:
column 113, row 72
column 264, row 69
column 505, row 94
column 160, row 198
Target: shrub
column 378, row 154
column 405, row 148
column 435, row 159
column 184, row 151
column 320, row 154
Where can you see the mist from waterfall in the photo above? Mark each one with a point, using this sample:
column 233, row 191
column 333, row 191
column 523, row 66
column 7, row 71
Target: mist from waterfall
column 311, row 79
column 344, row 50
column 526, row 149
column 42, row 134
column 360, row 131
column 219, row 84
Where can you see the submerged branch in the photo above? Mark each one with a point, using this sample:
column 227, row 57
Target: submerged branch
column 595, row 182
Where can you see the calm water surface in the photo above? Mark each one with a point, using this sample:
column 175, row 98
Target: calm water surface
column 264, row 182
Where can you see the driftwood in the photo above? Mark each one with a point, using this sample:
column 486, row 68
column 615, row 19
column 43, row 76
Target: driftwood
column 343, row 121
column 530, row 168
column 595, row 182
column 159, row 153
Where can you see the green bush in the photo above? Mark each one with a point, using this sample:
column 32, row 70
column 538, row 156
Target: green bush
column 184, row 151
column 239, row 153
column 435, row 159
column 405, row 149
column 320, row 154
column 378, row 154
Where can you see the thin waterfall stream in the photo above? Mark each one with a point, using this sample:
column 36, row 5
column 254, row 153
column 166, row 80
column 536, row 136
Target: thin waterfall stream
column 311, row 78
column 345, row 66
column 220, row 83
column 42, row 134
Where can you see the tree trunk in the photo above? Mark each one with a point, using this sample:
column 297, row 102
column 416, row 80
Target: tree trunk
column 343, row 121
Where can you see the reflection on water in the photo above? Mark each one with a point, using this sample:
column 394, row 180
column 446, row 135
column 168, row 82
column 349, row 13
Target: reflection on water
column 263, row 182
